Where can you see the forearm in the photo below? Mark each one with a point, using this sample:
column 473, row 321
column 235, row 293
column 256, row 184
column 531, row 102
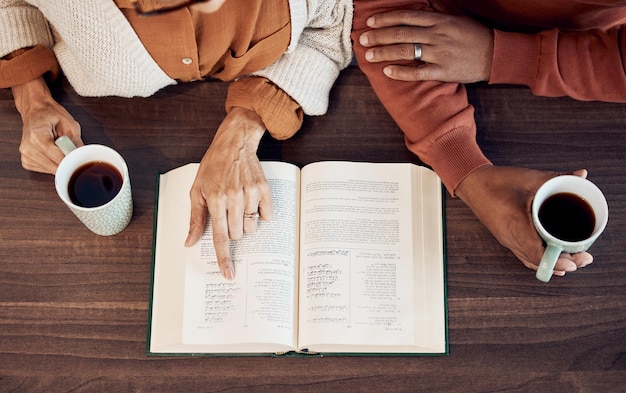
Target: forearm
column 587, row 65
column 31, row 95
column 22, row 25
column 280, row 113
column 320, row 48
column 25, row 42
column 436, row 117
column 26, row 64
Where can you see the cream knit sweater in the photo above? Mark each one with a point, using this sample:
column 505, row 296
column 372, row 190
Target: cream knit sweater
column 101, row 55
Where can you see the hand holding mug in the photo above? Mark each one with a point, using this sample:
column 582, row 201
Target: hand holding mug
column 501, row 198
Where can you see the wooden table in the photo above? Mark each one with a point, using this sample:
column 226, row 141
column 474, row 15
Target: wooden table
column 74, row 306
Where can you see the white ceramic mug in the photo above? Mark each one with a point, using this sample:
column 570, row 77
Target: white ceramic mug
column 111, row 217
column 591, row 195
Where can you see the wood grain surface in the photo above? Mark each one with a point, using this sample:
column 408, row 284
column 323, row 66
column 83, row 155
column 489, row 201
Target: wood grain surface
column 74, row 306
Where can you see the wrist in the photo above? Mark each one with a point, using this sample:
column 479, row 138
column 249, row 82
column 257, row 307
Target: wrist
column 30, row 95
column 473, row 184
column 250, row 123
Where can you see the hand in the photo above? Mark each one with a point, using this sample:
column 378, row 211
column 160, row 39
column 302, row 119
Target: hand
column 454, row 49
column 229, row 183
column 44, row 120
column 501, row 198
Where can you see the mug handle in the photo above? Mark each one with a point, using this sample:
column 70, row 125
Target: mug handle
column 548, row 260
column 65, row 144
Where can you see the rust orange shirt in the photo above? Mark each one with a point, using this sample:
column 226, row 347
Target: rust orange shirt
column 573, row 48
column 241, row 37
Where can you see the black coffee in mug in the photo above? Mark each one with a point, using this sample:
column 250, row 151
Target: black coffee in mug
column 567, row 216
column 94, row 184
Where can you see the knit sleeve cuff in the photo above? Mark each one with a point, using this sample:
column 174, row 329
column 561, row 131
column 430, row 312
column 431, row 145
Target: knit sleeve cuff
column 281, row 115
column 27, row 66
column 455, row 155
column 515, row 58
column 306, row 75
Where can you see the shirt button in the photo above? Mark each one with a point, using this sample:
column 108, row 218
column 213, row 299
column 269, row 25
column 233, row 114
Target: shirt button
column 187, row 60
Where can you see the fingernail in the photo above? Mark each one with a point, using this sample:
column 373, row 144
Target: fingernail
column 364, row 40
column 370, row 21
column 369, row 56
column 571, row 268
column 586, row 262
column 229, row 274
column 387, row 71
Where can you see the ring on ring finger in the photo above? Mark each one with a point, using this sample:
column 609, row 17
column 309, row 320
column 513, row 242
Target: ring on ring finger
column 417, row 52
column 251, row 216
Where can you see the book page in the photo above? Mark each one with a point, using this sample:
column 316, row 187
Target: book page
column 256, row 312
column 358, row 264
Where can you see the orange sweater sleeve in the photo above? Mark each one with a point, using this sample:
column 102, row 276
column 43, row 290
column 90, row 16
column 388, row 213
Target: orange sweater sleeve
column 436, row 118
column 586, row 65
column 280, row 113
column 26, row 65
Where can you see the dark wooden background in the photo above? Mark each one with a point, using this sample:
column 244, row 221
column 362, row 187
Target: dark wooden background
column 74, row 306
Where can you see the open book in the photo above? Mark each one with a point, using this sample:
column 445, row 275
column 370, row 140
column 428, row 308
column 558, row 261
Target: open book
column 353, row 262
